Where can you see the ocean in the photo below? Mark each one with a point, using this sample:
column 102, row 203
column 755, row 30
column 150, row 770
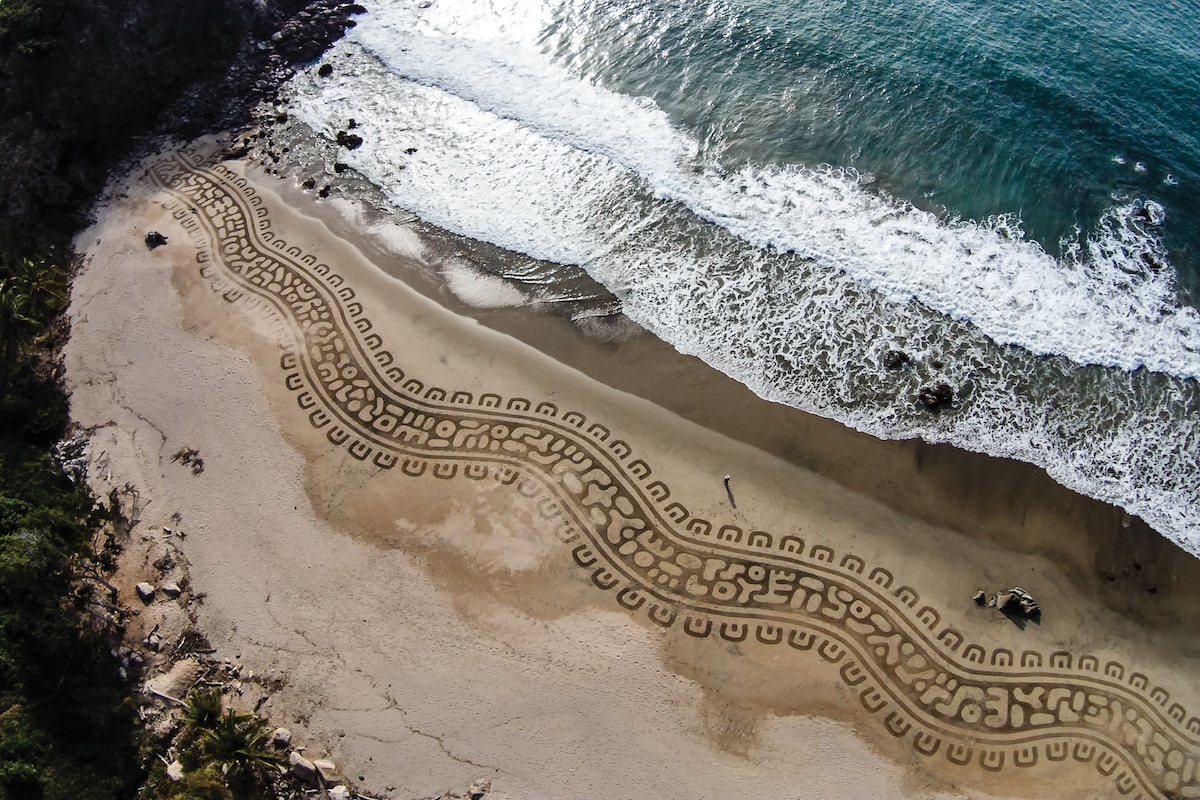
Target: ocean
column 1008, row 194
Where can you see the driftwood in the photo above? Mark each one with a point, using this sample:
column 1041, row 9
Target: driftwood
column 165, row 696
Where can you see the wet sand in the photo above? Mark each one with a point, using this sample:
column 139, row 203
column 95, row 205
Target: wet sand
column 478, row 543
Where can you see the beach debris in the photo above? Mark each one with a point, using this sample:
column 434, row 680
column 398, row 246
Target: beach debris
column 328, row 771
column 340, row 792
column 350, row 141
column 302, row 768
column 145, row 591
column 895, row 359
column 935, row 397
column 190, row 457
column 155, row 239
column 479, row 788
column 1015, row 602
column 175, row 771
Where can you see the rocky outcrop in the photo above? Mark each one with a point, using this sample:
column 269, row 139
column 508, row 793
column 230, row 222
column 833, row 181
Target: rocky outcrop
column 936, row 396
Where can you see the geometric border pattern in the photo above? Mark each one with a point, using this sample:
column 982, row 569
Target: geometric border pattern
column 925, row 681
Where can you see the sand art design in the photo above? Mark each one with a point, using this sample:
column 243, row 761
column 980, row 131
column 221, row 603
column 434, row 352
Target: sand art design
column 947, row 696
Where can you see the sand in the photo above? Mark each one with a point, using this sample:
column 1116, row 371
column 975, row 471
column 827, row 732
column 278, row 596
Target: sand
column 474, row 544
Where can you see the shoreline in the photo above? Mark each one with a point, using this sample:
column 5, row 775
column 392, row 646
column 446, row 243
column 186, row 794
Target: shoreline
column 457, row 573
column 1011, row 503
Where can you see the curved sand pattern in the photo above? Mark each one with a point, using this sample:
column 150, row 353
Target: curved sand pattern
column 740, row 598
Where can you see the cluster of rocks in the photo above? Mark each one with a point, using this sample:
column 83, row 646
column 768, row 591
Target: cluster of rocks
column 309, row 33
column 1014, row 602
column 146, row 591
column 129, row 662
column 936, row 396
column 287, row 34
column 933, row 396
column 318, row 772
column 71, row 458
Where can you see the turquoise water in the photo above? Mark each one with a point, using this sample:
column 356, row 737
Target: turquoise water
column 1049, row 112
column 1008, row 193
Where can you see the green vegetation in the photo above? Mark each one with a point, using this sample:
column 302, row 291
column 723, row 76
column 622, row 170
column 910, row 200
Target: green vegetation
column 79, row 80
column 66, row 723
column 225, row 755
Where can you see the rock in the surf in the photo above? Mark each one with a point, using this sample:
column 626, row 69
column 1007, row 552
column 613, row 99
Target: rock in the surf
column 895, row 359
column 936, row 397
column 350, row 141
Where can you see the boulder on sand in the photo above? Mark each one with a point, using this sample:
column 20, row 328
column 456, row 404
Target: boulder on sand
column 302, row 768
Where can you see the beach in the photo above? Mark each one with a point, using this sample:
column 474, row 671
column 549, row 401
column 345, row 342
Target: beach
column 475, row 543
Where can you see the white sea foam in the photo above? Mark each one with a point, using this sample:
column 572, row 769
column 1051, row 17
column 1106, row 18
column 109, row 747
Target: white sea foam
column 478, row 289
column 470, row 128
column 1113, row 302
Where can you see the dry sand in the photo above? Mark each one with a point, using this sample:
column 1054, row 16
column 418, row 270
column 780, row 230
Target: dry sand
column 430, row 630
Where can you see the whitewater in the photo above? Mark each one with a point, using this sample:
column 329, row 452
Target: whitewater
column 792, row 278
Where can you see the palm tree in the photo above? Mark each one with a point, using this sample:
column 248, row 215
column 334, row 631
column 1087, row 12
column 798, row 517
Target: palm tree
column 17, row 325
column 43, row 285
column 238, row 746
column 202, row 710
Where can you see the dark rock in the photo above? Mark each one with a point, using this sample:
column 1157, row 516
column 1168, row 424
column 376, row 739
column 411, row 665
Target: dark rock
column 325, row 70
column 1016, row 602
column 936, row 364
column 895, row 359
column 155, row 239
column 355, row 8
column 339, row 167
column 325, row 190
column 352, row 124
column 351, row 141
column 309, row 184
column 410, row 150
column 936, row 397
column 980, row 598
